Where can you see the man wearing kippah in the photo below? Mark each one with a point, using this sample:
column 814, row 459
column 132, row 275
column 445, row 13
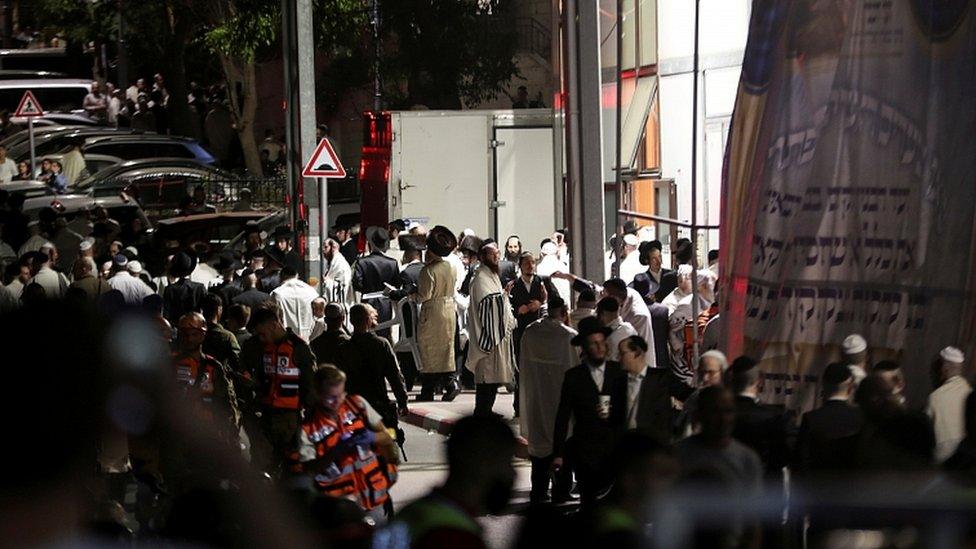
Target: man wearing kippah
column 947, row 403
column 856, row 354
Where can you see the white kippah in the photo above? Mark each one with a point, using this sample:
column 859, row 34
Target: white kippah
column 854, row 344
column 549, row 249
column 952, row 354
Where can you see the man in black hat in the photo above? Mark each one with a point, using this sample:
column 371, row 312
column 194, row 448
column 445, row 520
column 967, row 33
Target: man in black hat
column 287, row 256
column 347, row 244
column 230, row 285
column 650, row 283
column 585, row 398
column 183, row 295
column 373, row 272
column 412, row 261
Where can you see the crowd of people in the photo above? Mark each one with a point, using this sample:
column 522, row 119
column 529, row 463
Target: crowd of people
column 307, row 380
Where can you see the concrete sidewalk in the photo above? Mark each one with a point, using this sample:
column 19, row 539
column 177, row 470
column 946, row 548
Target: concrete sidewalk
column 439, row 417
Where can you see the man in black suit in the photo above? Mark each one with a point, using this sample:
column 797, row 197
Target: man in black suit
column 283, row 248
column 828, row 435
column 683, row 250
column 371, row 273
column 412, row 247
column 766, row 429
column 585, row 398
column 184, row 295
column 650, row 283
column 527, row 294
column 641, row 399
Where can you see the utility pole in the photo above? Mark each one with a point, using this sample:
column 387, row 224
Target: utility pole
column 377, row 81
column 122, row 55
column 584, row 129
column 298, row 40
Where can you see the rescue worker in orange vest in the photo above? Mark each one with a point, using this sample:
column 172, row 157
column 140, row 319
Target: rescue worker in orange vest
column 204, row 380
column 281, row 365
column 344, row 445
column 207, row 399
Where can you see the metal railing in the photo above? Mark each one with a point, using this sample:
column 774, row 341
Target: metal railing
column 166, row 194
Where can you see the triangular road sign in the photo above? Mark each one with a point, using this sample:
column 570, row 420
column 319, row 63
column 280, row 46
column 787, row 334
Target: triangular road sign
column 29, row 106
column 324, row 162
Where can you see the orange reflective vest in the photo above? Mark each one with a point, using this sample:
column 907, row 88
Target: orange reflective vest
column 358, row 475
column 196, row 376
column 279, row 382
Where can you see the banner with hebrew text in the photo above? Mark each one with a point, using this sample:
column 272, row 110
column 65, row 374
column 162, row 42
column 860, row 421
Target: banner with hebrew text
column 850, row 188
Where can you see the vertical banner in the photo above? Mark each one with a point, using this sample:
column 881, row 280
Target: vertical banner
column 849, row 188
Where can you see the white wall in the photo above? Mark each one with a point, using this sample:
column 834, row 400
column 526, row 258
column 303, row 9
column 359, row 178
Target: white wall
column 722, row 39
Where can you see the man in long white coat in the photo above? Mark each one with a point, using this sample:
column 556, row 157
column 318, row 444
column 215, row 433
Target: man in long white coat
column 438, row 323
column 490, row 325
column 546, row 353
column 337, row 280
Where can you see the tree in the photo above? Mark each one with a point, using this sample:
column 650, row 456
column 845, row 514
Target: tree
column 237, row 30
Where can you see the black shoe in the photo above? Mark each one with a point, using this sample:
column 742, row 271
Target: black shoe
column 451, row 392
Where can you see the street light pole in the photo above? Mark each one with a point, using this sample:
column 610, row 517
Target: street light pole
column 377, row 81
column 122, row 55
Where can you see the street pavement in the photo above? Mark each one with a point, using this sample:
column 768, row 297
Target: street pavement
column 426, row 467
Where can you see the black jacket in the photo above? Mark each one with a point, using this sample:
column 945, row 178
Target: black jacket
column 520, row 296
column 409, row 280
column 507, row 271
column 653, row 405
column 253, row 298
column 766, row 429
column 369, row 274
column 181, row 297
column 669, row 281
column 592, row 437
column 827, row 439
column 349, row 250
column 651, row 290
column 370, row 363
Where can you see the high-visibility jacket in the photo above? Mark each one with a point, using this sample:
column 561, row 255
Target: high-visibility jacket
column 197, row 374
column 279, row 376
column 204, row 381
column 357, row 474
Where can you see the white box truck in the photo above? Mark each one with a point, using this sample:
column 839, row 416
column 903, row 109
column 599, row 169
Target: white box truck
column 490, row 171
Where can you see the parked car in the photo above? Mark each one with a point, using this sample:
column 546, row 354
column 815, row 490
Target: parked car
column 24, row 74
column 160, row 184
column 59, row 138
column 54, row 94
column 58, row 119
column 134, row 147
column 121, row 208
column 214, row 229
column 30, row 189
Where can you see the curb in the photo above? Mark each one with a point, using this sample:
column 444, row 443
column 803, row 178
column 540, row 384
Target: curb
column 441, row 423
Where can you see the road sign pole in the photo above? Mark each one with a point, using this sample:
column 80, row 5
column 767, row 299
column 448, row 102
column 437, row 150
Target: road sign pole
column 30, row 137
column 323, row 231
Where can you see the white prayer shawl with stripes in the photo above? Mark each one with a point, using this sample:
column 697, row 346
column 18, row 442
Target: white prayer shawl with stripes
column 490, row 324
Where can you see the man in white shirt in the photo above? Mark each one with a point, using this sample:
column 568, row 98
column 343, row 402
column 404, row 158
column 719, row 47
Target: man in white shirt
column 608, row 311
column 633, row 310
column 294, row 299
column 54, row 283
column 631, row 265
column 947, row 404
column 133, row 289
column 318, row 316
column 8, row 168
column 337, row 280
